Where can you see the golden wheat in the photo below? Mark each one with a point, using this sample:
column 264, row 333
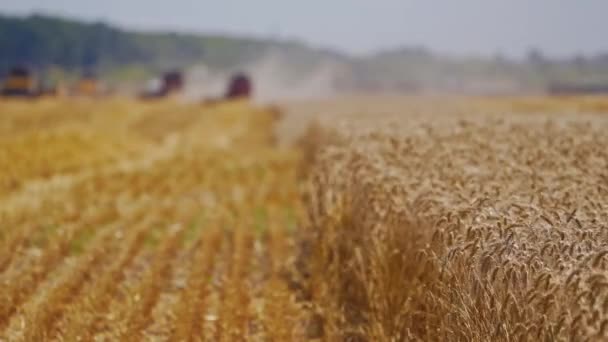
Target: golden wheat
column 468, row 225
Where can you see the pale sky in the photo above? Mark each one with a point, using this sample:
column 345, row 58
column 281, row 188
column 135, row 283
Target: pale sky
column 559, row 27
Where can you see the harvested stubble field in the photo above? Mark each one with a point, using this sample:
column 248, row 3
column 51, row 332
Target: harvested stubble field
column 389, row 220
column 134, row 221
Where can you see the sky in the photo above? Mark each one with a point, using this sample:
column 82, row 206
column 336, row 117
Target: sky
column 460, row 27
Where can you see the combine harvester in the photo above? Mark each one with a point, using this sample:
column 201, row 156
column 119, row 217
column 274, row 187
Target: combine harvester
column 89, row 85
column 20, row 82
column 240, row 92
column 240, row 87
column 173, row 83
column 170, row 84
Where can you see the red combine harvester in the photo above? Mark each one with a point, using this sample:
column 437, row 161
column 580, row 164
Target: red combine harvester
column 172, row 82
column 240, row 87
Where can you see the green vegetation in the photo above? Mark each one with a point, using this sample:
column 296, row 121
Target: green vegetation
column 43, row 42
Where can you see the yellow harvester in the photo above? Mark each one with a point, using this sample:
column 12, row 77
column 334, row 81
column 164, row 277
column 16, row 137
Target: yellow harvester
column 88, row 85
column 20, row 82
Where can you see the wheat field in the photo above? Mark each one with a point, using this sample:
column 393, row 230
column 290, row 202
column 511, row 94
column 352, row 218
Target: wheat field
column 461, row 221
column 388, row 219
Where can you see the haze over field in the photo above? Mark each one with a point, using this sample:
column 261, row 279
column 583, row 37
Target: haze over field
column 315, row 48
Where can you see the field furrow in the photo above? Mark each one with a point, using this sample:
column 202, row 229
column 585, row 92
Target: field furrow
column 22, row 283
column 281, row 315
column 138, row 310
column 41, row 316
column 80, row 316
column 192, row 304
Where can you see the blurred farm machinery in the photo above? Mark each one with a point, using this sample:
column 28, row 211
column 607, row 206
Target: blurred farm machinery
column 171, row 83
column 20, row 82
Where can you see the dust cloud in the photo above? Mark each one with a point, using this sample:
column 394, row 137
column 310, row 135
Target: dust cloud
column 275, row 78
